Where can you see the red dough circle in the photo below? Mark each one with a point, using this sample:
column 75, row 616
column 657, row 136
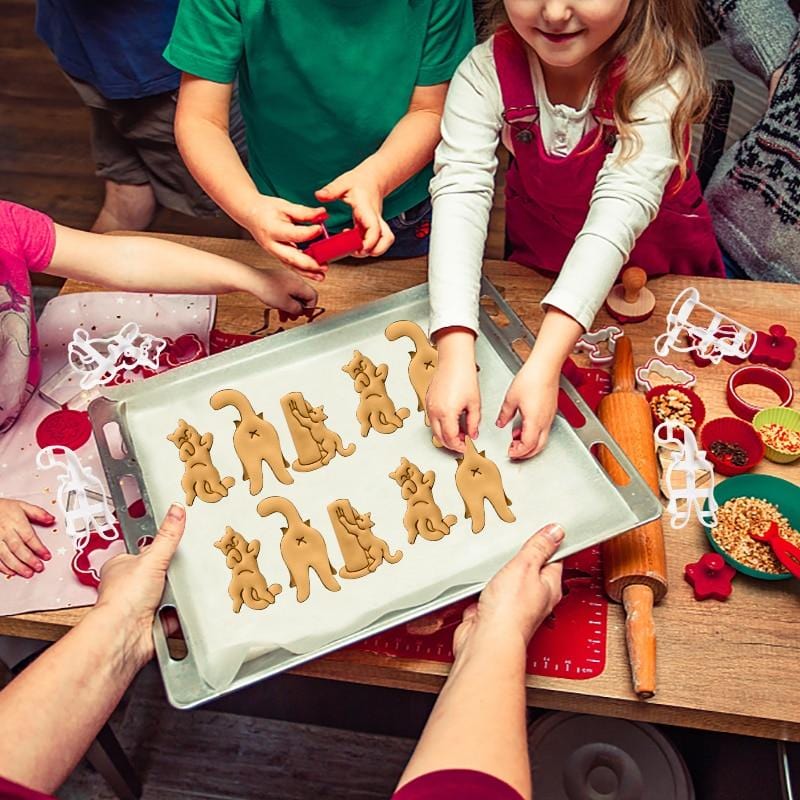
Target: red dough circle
column 65, row 428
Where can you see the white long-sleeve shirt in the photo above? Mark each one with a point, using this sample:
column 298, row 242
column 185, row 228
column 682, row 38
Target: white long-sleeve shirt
column 625, row 199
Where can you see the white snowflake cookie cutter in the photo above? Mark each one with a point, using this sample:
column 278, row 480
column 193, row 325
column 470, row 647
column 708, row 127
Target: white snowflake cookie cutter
column 686, row 458
column 592, row 341
column 100, row 360
column 710, row 342
column 80, row 496
column 672, row 374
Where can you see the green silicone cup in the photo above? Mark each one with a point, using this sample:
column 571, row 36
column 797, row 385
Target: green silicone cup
column 787, row 417
column 782, row 494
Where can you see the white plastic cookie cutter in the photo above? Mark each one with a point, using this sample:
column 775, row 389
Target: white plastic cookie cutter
column 80, row 496
column 710, row 342
column 686, row 459
column 101, row 360
column 592, row 341
column 672, row 374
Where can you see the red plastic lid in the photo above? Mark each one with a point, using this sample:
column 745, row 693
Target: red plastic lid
column 65, row 428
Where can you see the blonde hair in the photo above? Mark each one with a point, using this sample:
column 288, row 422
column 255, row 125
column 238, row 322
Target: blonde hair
column 655, row 37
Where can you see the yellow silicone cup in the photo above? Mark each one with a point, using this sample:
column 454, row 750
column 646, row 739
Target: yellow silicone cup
column 787, row 417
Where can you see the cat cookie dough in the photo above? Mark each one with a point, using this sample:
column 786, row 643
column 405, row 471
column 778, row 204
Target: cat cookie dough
column 375, row 408
column 363, row 551
column 248, row 586
column 254, row 439
column 302, row 548
column 424, row 358
column 423, row 517
column 316, row 444
column 200, row 477
column 478, row 479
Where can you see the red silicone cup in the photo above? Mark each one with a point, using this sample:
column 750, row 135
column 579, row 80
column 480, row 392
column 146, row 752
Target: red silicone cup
column 733, row 431
column 763, row 376
column 698, row 406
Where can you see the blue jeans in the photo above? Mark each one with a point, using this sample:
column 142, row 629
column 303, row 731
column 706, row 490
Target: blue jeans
column 732, row 269
column 412, row 230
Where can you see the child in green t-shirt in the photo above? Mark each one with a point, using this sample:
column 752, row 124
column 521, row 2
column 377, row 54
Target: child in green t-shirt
column 342, row 101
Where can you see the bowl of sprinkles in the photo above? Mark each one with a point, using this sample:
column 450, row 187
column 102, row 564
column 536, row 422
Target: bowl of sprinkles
column 676, row 404
column 779, row 429
column 750, row 503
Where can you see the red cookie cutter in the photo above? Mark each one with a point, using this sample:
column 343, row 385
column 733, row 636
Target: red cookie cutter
column 81, row 562
column 776, row 348
column 340, row 245
column 763, row 376
column 710, row 577
column 786, row 552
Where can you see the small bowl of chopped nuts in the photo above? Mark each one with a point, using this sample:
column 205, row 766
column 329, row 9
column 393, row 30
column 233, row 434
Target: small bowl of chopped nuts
column 676, row 404
column 779, row 428
column 732, row 445
column 750, row 503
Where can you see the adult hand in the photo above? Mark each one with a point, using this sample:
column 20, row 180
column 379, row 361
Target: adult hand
column 21, row 550
column 517, row 600
column 131, row 586
column 275, row 224
column 535, row 396
column 361, row 191
column 281, row 288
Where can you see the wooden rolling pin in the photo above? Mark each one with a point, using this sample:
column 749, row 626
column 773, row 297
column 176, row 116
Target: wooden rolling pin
column 635, row 562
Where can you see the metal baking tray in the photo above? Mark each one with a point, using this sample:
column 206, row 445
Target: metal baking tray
column 565, row 483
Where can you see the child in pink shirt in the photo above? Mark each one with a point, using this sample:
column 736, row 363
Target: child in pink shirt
column 32, row 242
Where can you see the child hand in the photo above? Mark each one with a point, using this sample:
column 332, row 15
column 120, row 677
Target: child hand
column 452, row 392
column 21, row 550
column 361, row 191
column 281, row 288
column 534, row 395
column 273, row 223
column 519, row 598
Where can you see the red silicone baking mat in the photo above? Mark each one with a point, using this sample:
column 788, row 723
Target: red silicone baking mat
column 571, row 643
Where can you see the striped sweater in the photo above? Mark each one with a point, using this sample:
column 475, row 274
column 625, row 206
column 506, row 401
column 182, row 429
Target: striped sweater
column 754, row 194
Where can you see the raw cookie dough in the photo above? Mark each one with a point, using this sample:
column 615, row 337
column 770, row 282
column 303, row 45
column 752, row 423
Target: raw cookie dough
column 200, row 478
column 363, row 551
column 478, row 479
column 375, row 408
column 423, row 517
column 248, row 586
column 424, row 359
column 254, row 439
column 302, row 548
column 316, row 444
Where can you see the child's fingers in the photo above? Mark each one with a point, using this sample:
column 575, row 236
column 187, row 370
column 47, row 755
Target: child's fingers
column 305, row 214
column 32, row 541
column 450, row 433
column 473, row 418
column 4, row 570
column 13, row 563
column 304, row 294
column 507, row 412
column 36, row 514
column 17, row 542
column 386, row 239
column 524, row 445
column 333, row 191
column 288, row 232
column 296, row 258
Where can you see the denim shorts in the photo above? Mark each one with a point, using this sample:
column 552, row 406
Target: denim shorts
column 412, row 231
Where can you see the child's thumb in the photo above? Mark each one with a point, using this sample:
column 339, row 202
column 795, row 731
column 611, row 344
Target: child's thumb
column 333, row 191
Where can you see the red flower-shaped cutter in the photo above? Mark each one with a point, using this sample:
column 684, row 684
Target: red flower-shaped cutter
column 710, row 577
column 776, row 348
column 786, row 552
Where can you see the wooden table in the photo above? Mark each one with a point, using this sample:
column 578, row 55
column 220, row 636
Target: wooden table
column 721, row 666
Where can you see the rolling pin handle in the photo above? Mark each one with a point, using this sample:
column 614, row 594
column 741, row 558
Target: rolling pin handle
column 641, row 637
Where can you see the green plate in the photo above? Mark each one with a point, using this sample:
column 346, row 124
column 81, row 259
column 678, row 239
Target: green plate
column 782, row 494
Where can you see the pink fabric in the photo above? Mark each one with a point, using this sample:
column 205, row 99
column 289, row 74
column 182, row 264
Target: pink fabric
column 458, row 784
column 13, row 791
column 27, row 240
column 548, row 197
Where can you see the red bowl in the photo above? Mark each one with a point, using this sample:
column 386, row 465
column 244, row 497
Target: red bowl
column 732, row 430
column 697, row 405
